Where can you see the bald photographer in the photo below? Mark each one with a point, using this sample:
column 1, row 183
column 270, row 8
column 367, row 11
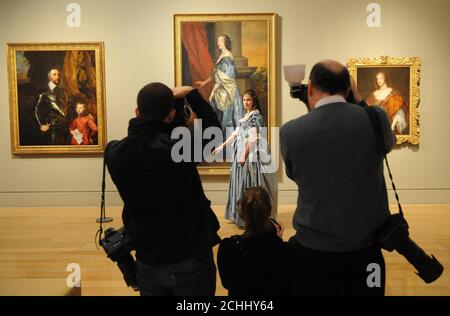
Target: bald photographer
column 331, row 154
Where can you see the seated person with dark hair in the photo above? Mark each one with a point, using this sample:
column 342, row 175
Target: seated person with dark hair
column 258, row 262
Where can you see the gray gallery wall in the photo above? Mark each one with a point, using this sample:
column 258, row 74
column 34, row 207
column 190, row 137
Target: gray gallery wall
column 139, row 48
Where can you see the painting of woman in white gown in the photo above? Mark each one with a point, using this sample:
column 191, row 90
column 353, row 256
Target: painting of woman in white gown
column 225, row 97
column 222, row 59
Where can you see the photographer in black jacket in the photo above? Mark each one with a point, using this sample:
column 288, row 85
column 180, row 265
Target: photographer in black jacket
column 166, row 213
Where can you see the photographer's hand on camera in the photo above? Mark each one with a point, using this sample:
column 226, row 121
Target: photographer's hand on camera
column 201, row 110
column 181, row 92
column 199, row 106
column 356, row 95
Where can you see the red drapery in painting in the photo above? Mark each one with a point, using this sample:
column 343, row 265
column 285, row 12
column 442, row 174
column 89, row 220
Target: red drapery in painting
column 200, row 62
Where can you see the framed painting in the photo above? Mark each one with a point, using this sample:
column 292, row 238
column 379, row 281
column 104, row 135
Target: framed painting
column 57, row 98
column 391, row 83
column 224, row 55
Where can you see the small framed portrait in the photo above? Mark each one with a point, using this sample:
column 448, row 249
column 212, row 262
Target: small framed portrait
column 225, row 55
column 57, row 98
column 391, row 83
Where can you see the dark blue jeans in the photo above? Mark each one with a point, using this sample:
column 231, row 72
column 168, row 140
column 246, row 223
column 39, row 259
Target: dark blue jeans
column 192, row 277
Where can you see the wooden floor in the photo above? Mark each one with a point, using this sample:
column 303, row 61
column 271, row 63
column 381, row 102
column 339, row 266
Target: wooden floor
column 39, row 243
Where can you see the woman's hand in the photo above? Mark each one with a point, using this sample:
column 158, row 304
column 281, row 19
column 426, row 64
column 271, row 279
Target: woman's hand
column 280, row 231
column 243, row 160
column 181, row 92
column 45, row 127
column 394, row 123
column 199, row 84
column 217, row 150
column 278, row 228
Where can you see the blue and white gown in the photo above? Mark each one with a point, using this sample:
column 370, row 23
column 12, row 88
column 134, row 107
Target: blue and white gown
column 257, row 170
column 226, row 99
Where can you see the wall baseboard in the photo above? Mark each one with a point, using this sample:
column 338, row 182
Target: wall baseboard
column 217, row 197
column 421, row 196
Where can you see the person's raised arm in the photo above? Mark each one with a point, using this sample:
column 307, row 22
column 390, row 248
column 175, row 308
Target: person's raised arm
column 202, row 109
column 201, row 84
column 229, row 139
column 249, row 145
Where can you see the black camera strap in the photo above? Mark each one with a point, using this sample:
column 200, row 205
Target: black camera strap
column 102, row 217
column 394, row 233
column 376, row 125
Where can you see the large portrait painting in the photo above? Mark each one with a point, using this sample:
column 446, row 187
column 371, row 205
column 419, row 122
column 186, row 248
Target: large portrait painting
column 57, row 98
column 224, row 55
column 392, row 84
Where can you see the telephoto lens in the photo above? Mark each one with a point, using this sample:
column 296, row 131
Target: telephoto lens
column 394, row 235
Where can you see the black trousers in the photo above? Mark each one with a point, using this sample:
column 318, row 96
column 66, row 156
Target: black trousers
column 357, row 273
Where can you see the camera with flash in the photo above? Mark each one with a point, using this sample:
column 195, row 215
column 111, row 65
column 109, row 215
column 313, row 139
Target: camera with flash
column 294, row 75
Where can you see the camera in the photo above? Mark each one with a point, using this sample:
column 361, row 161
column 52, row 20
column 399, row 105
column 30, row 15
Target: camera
column 394, row 235
column 118, row 247
column 183, row 113
column 300, row 92
column 294, row 75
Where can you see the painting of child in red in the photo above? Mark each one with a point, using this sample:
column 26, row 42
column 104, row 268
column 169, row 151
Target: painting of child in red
column 83, row 128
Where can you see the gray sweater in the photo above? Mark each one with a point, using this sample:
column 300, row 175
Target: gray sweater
column 331, row 154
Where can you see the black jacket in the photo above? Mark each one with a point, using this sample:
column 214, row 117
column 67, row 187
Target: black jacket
column 166, row 212
column 255, row 266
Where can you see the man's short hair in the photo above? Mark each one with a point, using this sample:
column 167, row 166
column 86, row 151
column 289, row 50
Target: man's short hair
column 53, row 68
column 155, row 100
column 329, row 80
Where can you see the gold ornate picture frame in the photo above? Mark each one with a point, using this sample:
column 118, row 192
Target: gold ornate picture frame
column 57, row 98
column 253, row 46
column 393, row 84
